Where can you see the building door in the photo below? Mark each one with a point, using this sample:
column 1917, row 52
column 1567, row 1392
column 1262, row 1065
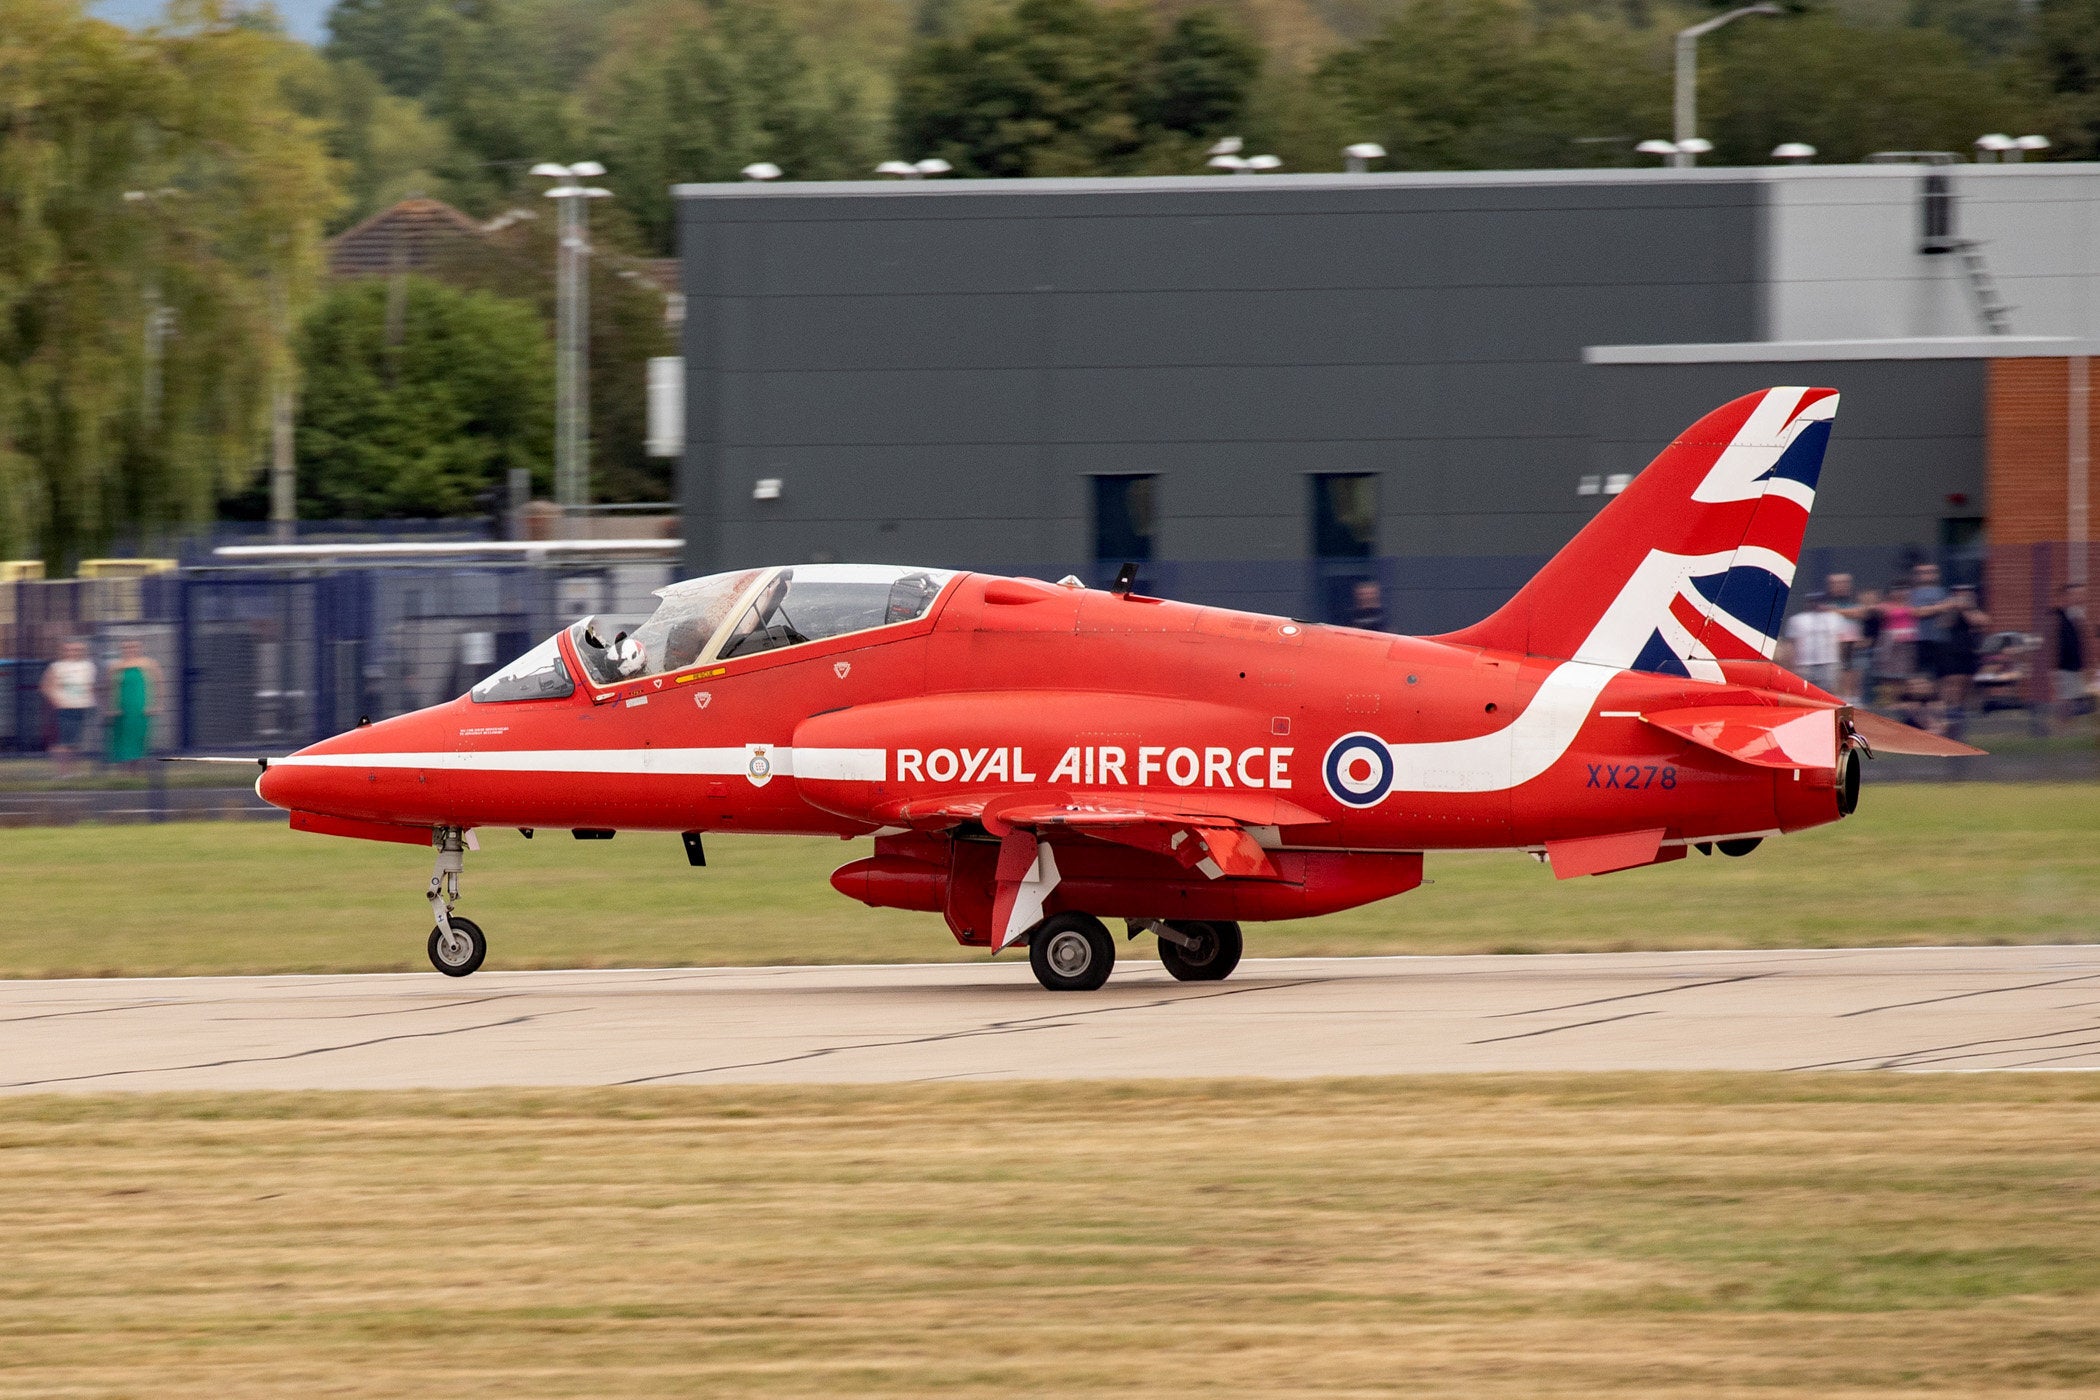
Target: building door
column 1125, row 517
column 1346, row 586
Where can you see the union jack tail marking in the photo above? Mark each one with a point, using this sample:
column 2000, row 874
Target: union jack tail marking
column 1691, row 565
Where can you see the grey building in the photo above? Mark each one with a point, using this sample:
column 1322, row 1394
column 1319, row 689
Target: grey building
column 1266, row 390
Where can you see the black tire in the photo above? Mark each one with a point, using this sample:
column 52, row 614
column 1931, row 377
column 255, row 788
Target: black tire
column 1071, row 953
column 1217, row 953
column 477, row 948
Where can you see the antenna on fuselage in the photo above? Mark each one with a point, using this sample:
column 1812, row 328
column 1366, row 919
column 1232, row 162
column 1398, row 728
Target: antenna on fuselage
column 1126, row 579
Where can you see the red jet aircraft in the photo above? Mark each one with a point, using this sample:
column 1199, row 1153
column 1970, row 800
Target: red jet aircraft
column 1031, row 758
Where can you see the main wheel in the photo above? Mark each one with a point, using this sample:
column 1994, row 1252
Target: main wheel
column 1071, row 953
column 1216, row 954
column 462, row 952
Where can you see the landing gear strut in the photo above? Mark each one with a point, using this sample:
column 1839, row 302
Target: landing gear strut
column 457, row 945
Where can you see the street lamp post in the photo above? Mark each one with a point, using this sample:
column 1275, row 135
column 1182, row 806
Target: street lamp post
column 1686, row 104
column 572, row 309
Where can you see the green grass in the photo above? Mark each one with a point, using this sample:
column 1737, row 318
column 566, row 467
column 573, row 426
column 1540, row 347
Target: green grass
column 1961, row 863
column 1711, row 1235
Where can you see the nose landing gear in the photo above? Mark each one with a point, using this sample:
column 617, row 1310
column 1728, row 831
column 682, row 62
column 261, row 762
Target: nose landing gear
column 457, row 945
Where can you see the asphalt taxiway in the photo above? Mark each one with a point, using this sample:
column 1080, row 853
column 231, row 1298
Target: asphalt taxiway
column 1896, row 1008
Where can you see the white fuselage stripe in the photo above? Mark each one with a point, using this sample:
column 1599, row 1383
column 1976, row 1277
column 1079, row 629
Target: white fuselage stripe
column 843, row 765
column 1514, row 754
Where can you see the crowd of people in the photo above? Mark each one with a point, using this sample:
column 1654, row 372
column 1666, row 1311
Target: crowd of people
column 126, row 705
column 1926, row 652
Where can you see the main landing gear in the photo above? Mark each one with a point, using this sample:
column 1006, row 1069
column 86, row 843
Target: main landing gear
column 1074, row 952
column 457, row 945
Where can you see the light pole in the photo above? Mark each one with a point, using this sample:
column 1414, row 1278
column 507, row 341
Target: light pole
column 572, row 310
column 1358, row 157
column 1686, row 105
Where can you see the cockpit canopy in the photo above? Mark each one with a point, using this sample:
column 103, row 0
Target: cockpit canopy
column 724, row 616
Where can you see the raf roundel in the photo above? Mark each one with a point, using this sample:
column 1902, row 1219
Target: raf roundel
column 1359, row 770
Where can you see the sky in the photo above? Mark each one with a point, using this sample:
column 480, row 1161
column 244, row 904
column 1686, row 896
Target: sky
column 306, row 19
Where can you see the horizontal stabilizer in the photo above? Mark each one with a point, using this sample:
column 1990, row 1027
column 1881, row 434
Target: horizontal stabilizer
column 1885, row 735
column 1764, row 736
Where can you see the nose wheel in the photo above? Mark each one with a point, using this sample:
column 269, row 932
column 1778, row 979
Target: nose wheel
column 457, row 945
column 458, row 949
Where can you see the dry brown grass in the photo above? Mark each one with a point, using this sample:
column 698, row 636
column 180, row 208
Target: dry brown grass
column 1714, row 1235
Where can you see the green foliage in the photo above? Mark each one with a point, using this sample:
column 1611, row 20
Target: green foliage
column 498, row 74
column 1488, row 84
column 699, row 92
column 626, row 328
column 1851, row 90
column 2066, row 56
column 417, row 408
column 1067, row 87
column 221, row 246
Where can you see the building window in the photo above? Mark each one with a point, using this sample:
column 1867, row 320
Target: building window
column 1125, row 516
column 1346, row 587
column 1344, row 515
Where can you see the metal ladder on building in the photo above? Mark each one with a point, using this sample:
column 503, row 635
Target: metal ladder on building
column 1991, row 309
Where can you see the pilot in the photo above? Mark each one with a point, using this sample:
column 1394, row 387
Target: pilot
column 628, row 657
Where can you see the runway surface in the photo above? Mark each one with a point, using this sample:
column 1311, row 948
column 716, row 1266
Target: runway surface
column 1903, row 1008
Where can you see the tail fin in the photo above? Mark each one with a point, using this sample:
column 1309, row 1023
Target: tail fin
column 1692, row 563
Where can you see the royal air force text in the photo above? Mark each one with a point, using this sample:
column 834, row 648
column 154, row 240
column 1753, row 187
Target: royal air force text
column 1104, row 765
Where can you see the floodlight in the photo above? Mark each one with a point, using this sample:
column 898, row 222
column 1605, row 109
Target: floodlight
column 1264, row 162
column 1995, row 141
column 1695, row 145
column 902, row 168
column 586, row 168
column 2032, row 143
column 565, row 192
column 552, row 170
column 1793, row 150
column 932, row 165
column 761, row 170
column 1227, row 146
column 1365, row 150
column 1655, row 146
column 1227, row 162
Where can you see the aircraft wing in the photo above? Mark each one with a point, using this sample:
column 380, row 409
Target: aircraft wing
column 1212, row 833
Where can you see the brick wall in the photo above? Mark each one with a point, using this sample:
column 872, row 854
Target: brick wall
column 2027, row 453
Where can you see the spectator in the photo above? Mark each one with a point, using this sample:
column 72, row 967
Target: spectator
column 1843, row 602
column 1865, row 614
column 1815, row 643
column 135, row 689
column 2073, row 652
column 68, row 687
column 1896, row 650
column 1930, row 605
column 1367, row 605
column 1958, row 655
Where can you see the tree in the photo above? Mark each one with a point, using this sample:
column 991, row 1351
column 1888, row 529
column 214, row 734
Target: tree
column 422, row 413
column 2066, row 55
column 160, row 212
column 1067, row 87
column 499, row 75
column 1852, row 90
column 698, row 93
column 1488, row 84
column 627, row 328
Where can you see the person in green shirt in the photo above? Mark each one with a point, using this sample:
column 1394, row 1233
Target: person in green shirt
column 135, row 698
